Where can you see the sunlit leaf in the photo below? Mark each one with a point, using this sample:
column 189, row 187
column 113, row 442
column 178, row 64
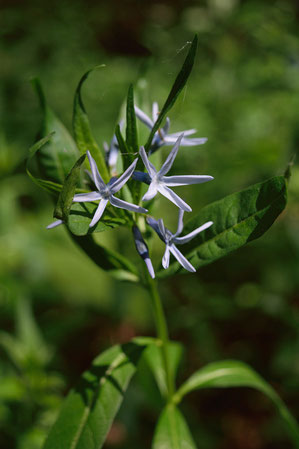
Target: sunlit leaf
column 90, row 408
column 232, row 373
column 57, row 156
column 238, row 219
column 67, row 193
column 172, row 431
column 82, row 130
column 177, row 87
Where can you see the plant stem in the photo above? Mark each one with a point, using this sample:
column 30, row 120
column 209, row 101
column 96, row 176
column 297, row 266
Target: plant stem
column 162, row 333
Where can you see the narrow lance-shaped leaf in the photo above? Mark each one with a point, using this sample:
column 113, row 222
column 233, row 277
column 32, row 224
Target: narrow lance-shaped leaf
column 58, row 155
column 116, row 264
column 231, row 373
column 82, row 130
column 172, row 431
column 177, row 87
column 51, row 187
column 131, row 130
column 237, row 219
column 67, row 193
column 90, row 408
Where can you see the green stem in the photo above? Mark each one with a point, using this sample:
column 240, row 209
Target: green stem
column 162, row 333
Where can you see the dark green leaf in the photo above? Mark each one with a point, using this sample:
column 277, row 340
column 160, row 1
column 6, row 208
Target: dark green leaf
column 58, row 155
column 172, row 431
column 116, row 264
column 238, row 219
column 49, row 186
column 90, row 408
column 154, row 360
column 82, row 131
column 67, row 193
column 232, row 373
column 177, row 87
column 81, row 215
column 131, row 130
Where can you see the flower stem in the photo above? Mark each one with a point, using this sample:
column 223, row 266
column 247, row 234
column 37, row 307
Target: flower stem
column 162, row 333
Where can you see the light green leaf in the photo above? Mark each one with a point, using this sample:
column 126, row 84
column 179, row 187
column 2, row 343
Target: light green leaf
column 67, row 193
column 154, row 360
column 90, row 408
column 116, row 264
column 57, row 156
column 238, row 219
column 176, row 89
column 172, row 431
column 231, row 373
column 82, row 130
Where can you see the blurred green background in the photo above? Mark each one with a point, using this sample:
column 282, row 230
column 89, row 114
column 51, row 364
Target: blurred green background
column 58, row 310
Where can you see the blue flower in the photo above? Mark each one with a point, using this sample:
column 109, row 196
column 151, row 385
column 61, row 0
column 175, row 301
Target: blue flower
column 161, row 136
column 158, row 182
column 171, row 240
column 105, row 192
column 142, row 250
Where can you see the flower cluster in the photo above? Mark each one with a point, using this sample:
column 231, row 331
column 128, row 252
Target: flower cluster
column 157, row 181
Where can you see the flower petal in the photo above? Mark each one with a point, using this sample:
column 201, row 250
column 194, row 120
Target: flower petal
column 143, row 117
column 155, row 111
column 173, row 197
column 98, row 213
column 90, row 196
column 141, row 177
column 95, row 173
column 54, row 224
column 117, row 185
column 116, row 202
column 191, row 235
column 166, row 257
column 181, row 259
column 150, row 267
column 155, row 225
column 187, row 132
column 180, row 223
column 148, row 165
column 181, row 180
column 171, row 157
column 186, row 142
column 152, row 191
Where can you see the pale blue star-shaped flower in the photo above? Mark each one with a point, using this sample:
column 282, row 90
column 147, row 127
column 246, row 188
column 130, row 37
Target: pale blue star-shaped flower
column 171, row 240
column 158, row 182
column 105, row 192
column 161, row 136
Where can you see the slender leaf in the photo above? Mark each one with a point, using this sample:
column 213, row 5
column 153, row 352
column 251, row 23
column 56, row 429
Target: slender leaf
column 90, row 408
column 49, row 186
column 58, row 155
column 82, row 130
column 172, row 431
column 231, row 373
column 131, row 130
column 67, row 193
column 154, row 360
column 176, row 89
column 238, row 219
column 116, row 264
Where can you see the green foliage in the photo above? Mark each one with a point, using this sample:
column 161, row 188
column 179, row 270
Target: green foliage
column 83, row 135
column 238, row 219
column 233, row 373
column 131, row 130
column 57, row 156
column 90, row 408
column 172, row 431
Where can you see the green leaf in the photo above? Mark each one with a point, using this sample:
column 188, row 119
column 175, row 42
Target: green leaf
column 176, row 89
column 82, row 130
column 238, row 219
column 81, row 214
column 49, row 186
column 172, row 431
column 58, row 155
column 90, row 408
column 67, row 193
column 116, row 264
column 131, row 130
column 232, row 373
column 154, row 360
